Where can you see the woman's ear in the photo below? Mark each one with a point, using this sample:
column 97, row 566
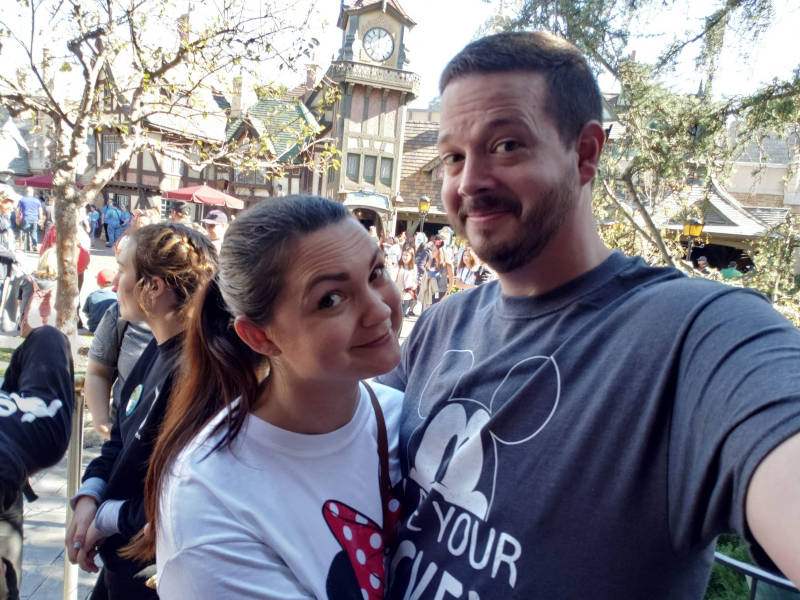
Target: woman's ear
column 255, row 337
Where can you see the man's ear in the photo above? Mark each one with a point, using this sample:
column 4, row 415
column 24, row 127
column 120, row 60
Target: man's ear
column 255, row 337
column 589, row 145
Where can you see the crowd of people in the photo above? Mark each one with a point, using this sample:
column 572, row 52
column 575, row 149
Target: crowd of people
column 571, row 423
column 427, row 270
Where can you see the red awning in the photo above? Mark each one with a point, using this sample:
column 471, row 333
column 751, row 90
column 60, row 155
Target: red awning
column 203, row 194
column 42, row 181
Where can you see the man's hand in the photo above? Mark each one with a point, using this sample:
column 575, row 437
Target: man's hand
column 82, row 518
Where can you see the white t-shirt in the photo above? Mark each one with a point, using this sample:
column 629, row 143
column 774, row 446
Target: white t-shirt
column 278, row 514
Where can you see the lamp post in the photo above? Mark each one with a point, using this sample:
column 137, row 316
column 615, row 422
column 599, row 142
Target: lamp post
column 692, row 229
column 423, row 206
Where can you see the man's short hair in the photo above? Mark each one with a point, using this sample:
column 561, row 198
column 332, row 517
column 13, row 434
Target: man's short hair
column 573, row 96
column 181, row 208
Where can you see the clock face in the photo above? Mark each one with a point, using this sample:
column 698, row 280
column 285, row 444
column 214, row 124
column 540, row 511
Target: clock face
column 378, row 43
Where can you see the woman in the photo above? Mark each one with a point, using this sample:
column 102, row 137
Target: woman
column 160, row 269
column 407, row 279
column 436, row 282
column 272, row 440
column 471, row 272
column 38, row 294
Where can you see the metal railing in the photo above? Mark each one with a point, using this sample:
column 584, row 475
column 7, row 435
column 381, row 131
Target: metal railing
column 754, row 574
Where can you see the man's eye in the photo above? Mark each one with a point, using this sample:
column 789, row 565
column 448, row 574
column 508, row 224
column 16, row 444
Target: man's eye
column 507, row 146
column 330, row 300
column 451, row 159
column 378, row 271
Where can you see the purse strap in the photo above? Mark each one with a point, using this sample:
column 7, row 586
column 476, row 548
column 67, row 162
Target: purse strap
column 383, row 457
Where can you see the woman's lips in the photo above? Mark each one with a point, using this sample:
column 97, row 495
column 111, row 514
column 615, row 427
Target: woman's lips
column 379, row 341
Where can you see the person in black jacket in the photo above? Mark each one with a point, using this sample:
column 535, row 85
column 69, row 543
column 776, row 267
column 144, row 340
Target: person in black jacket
column 160, row 269
column 36, row 402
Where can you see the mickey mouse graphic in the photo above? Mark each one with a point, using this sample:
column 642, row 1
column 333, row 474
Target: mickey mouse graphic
column 456, row 451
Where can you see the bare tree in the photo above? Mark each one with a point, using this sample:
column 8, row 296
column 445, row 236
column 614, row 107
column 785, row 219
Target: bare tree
column 140, row 64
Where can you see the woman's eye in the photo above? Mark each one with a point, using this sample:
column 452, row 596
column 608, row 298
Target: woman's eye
column 330, row 300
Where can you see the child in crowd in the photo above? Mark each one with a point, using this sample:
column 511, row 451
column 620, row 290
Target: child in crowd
column 99, row 300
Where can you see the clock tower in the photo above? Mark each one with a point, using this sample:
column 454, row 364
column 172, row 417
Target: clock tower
column 367, row 121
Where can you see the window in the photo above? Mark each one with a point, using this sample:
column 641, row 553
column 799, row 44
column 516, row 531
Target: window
column 370, row 162
column 353, row 165
column 386, row 170
column 111, row 144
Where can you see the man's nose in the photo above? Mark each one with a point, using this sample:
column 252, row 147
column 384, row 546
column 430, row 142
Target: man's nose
column 475, row 176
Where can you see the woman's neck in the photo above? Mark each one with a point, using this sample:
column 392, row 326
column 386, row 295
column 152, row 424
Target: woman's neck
column 307, row 407
column 166, row 326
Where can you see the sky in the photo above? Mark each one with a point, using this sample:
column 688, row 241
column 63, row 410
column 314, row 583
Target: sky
column 445, row 26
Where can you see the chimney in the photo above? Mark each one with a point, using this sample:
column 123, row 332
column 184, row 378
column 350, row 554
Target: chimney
column 236, row 98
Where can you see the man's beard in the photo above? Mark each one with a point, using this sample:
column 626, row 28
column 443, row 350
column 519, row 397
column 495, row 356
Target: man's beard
column 537, row 227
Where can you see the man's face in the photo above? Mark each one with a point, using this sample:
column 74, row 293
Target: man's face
column 6, row 206
column 215, row 231
column 509, row 181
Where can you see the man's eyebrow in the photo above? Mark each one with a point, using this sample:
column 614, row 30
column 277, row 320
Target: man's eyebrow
column 489, row 126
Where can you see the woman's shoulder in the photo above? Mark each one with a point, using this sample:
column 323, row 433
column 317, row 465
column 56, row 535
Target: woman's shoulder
column 390, row 400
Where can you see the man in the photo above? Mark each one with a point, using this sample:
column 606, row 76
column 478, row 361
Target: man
column 180, row 212
column 112, row 220
column 215, row 223
column 30, row 209
column 731, row 272
column 36, row 402
column 585, row 426
column 49, row 214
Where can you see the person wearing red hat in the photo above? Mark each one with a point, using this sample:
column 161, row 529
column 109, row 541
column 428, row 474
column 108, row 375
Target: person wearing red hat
column 99, row 300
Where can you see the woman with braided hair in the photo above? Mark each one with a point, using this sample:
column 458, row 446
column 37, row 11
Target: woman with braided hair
column 160, row 270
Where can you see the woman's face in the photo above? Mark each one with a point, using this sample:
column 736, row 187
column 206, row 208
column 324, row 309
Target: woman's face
column 406, row 257
column 469, row 260
column 125, row 281
column 339, row 315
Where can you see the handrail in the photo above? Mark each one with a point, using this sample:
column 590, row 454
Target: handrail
column 757, row 574
column 70, row 588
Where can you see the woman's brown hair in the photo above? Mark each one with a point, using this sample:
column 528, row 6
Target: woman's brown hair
column 219, row 371
column 180, row 256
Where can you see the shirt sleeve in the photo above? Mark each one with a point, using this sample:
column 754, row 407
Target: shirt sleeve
column 241, row 569
column 737, row 397
column 104, row 348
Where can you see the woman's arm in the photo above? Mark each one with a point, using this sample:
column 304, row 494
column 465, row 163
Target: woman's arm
column 237, row 569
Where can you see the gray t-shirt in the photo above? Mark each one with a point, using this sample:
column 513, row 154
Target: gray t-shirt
column 107, row 350
column 590, row 442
